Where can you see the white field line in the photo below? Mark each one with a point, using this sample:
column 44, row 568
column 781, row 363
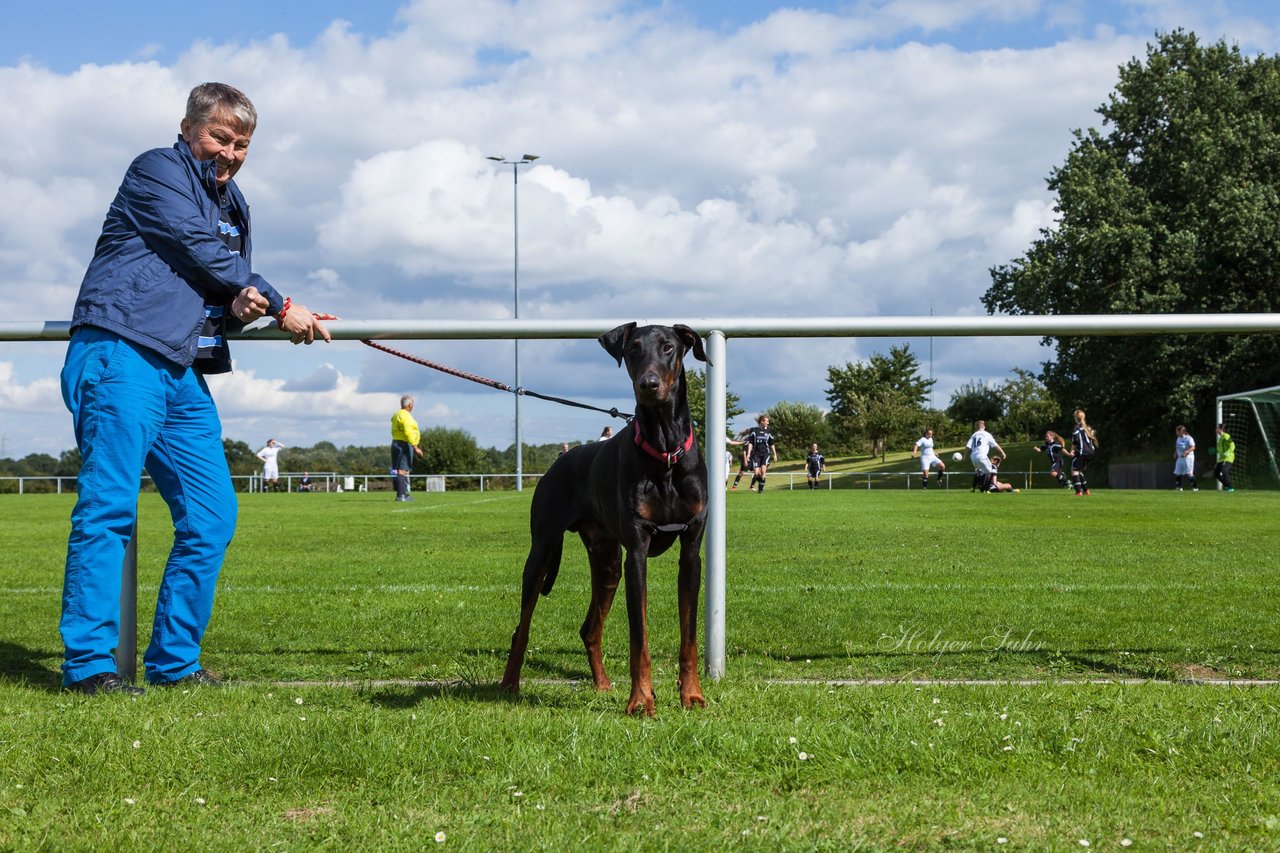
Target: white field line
column 446, row 506
column 447, row 684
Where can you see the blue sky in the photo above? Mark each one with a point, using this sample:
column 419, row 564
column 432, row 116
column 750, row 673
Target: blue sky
column 62, row 36
column 746, row 159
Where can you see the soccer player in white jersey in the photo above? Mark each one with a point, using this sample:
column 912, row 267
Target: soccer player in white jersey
column 928, row 458
column 981, row 443
column 1184, row 462
column 270, row 468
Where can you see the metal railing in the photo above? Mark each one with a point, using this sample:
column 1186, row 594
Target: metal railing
column 328, row 481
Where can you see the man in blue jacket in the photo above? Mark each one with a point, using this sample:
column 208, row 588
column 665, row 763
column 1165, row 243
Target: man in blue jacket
column 170, row 276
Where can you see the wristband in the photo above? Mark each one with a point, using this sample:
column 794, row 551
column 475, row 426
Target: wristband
column 285, row 310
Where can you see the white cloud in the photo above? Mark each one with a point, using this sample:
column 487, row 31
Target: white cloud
column 43, row 393
column 807, row 164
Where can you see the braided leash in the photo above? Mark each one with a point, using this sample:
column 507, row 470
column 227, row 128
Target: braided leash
column 492, row 383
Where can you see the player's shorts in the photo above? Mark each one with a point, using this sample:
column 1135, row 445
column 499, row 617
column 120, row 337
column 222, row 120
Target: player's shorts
column 401, row 455
column 1185, row 465
column 270, row 472
column 759, row 461
column 982, row 463
column 927, row 462
column 813, row 473
column 1079, row 463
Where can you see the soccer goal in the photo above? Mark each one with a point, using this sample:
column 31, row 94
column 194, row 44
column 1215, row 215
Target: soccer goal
column 1252, row 418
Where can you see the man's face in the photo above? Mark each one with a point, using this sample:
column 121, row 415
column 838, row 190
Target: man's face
column 221, row 140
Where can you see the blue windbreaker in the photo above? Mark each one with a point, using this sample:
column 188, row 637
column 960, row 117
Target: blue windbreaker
column 160, row 260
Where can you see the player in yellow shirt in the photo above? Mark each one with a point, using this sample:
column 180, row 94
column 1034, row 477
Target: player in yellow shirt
column 405, row 436
column 1226, row 458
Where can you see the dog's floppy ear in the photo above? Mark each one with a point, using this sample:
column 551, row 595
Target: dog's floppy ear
column 691, row 340
column 615, row 340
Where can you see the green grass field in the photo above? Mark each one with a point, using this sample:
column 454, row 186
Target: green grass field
column 326, row 598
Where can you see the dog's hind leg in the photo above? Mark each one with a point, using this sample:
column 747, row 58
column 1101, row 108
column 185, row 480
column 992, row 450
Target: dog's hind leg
column 605, row 556
column 544, row 558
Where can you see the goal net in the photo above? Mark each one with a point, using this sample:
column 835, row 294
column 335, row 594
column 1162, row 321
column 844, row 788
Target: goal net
column 1252, row 419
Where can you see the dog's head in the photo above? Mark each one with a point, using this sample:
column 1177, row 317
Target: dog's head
column 654, row 356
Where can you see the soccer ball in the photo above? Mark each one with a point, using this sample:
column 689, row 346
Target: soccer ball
column 957, row 456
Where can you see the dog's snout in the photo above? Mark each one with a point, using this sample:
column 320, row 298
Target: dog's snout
column 649, row 382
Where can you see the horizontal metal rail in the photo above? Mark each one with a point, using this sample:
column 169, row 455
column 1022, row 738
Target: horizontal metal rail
column 1029, row 325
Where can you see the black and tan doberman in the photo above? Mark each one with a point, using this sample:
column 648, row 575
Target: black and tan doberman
column 641, row 490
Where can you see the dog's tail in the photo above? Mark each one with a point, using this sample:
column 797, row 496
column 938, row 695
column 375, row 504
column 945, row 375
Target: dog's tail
column 553, row 567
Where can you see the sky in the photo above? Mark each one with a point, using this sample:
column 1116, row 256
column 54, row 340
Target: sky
column 710, row 159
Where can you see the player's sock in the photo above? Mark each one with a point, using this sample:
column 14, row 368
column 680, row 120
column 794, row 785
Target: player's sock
column 761, row 486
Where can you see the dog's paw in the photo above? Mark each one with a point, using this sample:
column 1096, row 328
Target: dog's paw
column 693, row 699
column 640, row 702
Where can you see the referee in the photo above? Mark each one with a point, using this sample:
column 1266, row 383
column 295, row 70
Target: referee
column 404, row 444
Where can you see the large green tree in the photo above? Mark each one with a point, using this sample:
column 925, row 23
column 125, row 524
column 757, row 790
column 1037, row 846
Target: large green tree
column 976, row 400
column 795, row 426
column 696, row 388
column 1029, row 408
column 448, row 451
column 880, row 400
column 1174, row 207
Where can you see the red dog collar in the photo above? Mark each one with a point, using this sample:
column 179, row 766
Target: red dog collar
column 670, row 458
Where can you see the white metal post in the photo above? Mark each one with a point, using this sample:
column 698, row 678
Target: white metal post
column 717, row 388
column 1217, row 415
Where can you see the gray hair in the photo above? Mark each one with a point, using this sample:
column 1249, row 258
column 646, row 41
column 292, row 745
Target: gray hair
column 209, row 101
column 405, row 400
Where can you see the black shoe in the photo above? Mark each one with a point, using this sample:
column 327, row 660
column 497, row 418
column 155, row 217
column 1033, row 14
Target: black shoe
column 104, row 682
column 199, row 678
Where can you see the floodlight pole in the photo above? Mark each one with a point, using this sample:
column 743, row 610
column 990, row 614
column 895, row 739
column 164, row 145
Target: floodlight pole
column 515, row 277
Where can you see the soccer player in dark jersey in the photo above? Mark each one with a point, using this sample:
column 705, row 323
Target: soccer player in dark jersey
column 1084, row 443
column 744, row 460
column 762, row 450
column 815, row 463
column 1053, row 448
column 993, row 484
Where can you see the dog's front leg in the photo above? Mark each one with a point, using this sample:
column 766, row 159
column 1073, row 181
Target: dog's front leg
column 690, row 581
column 636, row 569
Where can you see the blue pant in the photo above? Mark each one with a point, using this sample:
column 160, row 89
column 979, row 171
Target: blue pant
column 131, row 408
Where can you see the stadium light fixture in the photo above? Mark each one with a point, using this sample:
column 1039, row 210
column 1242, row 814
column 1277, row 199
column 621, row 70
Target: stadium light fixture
column 515, row 165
